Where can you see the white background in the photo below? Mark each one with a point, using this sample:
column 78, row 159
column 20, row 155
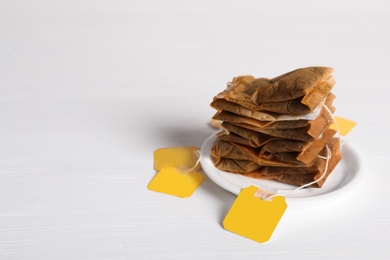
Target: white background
column 89, row 89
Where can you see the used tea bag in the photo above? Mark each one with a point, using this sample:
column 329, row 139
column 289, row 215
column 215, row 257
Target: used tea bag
column 230, row 117
column 306, row 151
column 268, row 172
column 301, row 105
column 306, row 133
column 314, row 127
column 289, row 152
column 244, row 136
column 266, row 117
column 223, row 149
column 278, row 128
column 224, row 105
column 265, row 172
column 302, row 179
column 306, row 85
column 271, row 144
column 236, row 165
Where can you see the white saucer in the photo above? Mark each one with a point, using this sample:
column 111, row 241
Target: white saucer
column 346, row 175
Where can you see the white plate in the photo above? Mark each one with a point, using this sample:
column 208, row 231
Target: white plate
column 346, row 175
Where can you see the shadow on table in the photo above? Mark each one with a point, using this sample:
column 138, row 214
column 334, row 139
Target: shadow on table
column 184, row 135
column 224, row 199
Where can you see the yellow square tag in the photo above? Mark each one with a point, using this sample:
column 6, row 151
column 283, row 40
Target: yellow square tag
column 252, row 217
column 173, row 181
column 344, row 125
column 176, row 156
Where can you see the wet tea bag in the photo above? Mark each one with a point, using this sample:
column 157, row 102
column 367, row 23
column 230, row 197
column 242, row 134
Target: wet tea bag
column 281, row 122
column 309, row 132
column 277, row 128
column 266, row 117
column 307, row 86
column 301, row 105
column 294, row 84
column 236, row 165
column 221, row 104
column 325, row 165
column 230, row 117
column 229, row 150
column 243, row 135
column 305, row 152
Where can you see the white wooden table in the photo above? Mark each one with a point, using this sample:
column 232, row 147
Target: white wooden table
column 89, row 89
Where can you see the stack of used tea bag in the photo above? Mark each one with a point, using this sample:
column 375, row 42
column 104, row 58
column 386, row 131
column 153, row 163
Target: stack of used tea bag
column 278, row 128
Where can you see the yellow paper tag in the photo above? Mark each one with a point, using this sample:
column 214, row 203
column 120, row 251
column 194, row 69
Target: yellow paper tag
column 345, row 125
column 176, row 156
column 252, row 217
column 171, row 180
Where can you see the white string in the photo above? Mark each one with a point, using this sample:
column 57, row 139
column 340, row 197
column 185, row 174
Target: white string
column 329, row 155
column 327, row 158
column 184, row 169
column 336, row 124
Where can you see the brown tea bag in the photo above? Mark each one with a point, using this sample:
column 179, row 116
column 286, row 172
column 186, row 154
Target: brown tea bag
column 306, row 151
column 290, row 157
column 319, row 93
column 224, row 105
column 273, row 170
column 275, row 151
column 234, row 118
column 281, row 145
column 252, row 93
column 239, row 134
column 235, row 165
column 301, row 105
column 310, row 151
column 306, row 133
column 243, row 167
column 281, row 121
column 230, row 165
column 223, row 149
column 292, row 85
column 288, row 107
column 231, row 137
column 302, row 179
column 300, row 134
column 278, row 150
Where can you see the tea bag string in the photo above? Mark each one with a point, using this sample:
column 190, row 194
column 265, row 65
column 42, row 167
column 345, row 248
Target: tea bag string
column 335, row 122
column 193, row 168
column 327, row 158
